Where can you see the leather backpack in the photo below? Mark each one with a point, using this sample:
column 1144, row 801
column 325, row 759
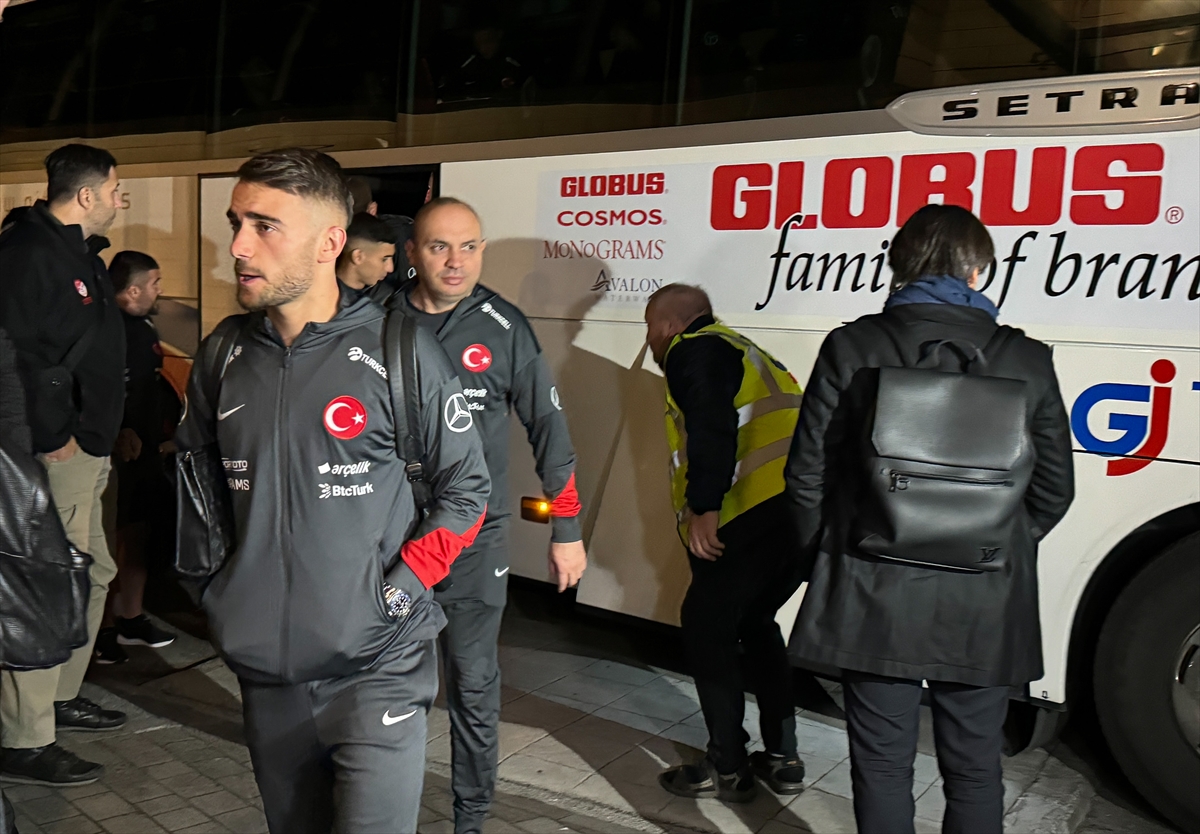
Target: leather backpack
column 948, row 457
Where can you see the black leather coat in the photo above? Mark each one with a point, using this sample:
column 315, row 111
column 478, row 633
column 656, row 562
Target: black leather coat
column 902, row 621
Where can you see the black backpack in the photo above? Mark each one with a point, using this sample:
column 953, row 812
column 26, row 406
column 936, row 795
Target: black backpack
column 948, row 458
column 205, row 536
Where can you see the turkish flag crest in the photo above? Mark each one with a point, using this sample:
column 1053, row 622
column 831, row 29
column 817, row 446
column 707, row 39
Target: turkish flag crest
column 477, row 358
column 345, row 418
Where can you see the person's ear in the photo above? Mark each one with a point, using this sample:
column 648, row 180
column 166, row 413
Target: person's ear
column 974, row 279
column 357, row 256
column 85, row 196
column 331, row 244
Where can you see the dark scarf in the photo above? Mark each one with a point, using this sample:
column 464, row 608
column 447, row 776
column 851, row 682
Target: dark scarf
column 941, row 289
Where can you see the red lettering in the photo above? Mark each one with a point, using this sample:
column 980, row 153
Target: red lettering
column 569, row 187
column 1140, row 195
column 567, row 215
column 789, row 192
column 616, row 185
column 656, row 183
column 726, row 196
column 877, row 199
column 1046, row 179
column 637, row 183
column 656, row 218
column 599, row 186
column 917, row 184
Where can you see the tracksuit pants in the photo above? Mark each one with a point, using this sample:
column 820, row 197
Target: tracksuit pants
column 474, row 607
column 729, row 615
column 883, row 716
column 346, row 754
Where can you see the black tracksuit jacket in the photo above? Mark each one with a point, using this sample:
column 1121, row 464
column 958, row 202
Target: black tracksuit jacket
column 53, row 288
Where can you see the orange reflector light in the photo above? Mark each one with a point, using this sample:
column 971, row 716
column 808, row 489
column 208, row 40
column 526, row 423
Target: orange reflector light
column 535, row 509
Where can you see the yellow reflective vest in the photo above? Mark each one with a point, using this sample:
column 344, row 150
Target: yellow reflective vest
column 768, row 407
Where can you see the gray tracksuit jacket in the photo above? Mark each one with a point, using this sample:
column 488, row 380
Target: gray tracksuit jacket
column 323, row 509
column 500, row 364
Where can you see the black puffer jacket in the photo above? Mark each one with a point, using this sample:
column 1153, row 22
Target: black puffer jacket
column 897, row 620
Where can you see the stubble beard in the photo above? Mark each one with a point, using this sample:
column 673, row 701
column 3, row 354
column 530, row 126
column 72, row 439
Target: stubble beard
column 295, row 281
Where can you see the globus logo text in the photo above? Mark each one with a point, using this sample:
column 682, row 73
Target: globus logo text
column 1141, row 437
column 861, row 193
column 613, row 185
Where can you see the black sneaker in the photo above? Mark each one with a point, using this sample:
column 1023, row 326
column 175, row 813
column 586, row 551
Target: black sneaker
column 108, row 650
column 781, row 774
column 701, row 781
column 82, row 714
column 139, row 631
column 49, row 765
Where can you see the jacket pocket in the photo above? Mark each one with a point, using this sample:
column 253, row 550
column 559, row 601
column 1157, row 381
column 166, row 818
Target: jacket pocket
column 52, row 404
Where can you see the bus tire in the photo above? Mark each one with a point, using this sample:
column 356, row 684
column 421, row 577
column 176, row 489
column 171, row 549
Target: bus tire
column 1138, row 657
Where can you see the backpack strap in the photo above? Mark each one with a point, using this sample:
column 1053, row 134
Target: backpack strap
column 400, row 357
column 224, row 338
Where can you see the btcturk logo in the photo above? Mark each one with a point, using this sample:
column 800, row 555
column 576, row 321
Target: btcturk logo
column 1142, row 437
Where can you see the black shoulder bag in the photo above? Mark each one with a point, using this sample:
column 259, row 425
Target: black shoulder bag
column 948, row 458
column 44, row 583
column 205, row 536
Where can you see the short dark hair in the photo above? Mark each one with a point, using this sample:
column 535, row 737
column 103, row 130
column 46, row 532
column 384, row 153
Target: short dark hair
column 368, row 227
column 360, row 191
column 73, row 167
column 128, row 265
column 441, row 202
column 300, row 171
column 939, row 240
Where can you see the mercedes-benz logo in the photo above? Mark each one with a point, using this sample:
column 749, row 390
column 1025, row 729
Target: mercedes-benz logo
column 458, row 416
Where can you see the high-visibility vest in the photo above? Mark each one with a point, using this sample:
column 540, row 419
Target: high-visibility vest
column 768, row 408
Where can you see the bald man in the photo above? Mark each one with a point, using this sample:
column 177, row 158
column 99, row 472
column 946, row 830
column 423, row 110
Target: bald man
column 500, row 364
column 731, row 412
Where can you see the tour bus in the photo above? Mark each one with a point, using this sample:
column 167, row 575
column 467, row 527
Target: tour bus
column 1090, row 186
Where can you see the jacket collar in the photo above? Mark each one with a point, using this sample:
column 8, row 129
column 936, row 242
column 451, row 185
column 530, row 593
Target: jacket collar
column 72, row 235
column 941, row 313
column 478, row 297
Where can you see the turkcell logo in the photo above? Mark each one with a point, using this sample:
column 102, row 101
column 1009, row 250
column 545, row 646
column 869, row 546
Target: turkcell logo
column 1141, row 436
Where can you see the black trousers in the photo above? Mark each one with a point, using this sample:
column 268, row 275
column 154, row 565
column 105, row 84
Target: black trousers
column 729, row 615
column 346, row 754
column 474, row 606
column 883, row 715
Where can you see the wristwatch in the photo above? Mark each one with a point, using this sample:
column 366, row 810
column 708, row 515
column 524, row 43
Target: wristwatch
column 399, row 603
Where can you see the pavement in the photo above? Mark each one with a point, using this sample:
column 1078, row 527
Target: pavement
column 593, row 709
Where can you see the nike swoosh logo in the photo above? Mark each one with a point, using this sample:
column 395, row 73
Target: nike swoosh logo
column 389, row 719
column 221, row 415
column 501, row 572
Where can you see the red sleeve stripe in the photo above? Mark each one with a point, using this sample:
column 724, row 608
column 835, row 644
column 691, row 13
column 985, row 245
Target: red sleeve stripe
column 430, row 556
column 566, row 505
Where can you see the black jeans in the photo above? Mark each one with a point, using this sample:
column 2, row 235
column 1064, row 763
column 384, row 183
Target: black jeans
column 883, row 715
column 728, row 614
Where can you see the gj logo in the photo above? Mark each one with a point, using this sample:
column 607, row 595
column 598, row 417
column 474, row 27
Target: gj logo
column 1141, row 437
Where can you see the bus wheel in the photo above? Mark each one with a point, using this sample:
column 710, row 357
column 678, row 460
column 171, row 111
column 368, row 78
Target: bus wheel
column 1147, row 682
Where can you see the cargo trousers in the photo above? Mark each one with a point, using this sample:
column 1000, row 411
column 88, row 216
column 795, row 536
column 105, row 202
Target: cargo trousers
column 27, row 698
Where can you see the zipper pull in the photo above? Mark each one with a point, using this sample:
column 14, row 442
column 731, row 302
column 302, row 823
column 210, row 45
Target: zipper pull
column 899, row 482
